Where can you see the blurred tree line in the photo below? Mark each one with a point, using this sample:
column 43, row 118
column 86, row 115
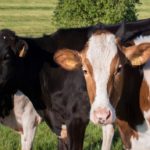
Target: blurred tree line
column 78, row 13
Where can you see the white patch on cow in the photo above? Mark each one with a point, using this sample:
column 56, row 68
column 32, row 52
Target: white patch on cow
column 146, row 72
column 108, row 133
column 142, row 39
column 24, row 119
column 101, row 51
column 142, row 143
column 147, row 117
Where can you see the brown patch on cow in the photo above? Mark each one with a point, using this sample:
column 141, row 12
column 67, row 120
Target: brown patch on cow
column 126, row 132
column 115, row 82
column 88, row 74
column 129, row 43
column 144, row 97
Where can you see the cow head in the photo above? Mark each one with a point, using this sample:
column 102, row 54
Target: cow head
column 11, row 49
column 102, row 61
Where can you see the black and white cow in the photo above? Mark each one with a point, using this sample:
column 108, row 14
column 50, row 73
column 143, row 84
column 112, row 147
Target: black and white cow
column 59, row 96
column 23, row 118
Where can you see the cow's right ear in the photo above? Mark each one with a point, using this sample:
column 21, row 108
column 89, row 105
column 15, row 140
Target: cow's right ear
column 22, row 48
column 68, row 59
column 136, row 54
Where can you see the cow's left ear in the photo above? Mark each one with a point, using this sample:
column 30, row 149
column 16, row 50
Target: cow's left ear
column 137, row 54
column 22, row 48
column 68, row 59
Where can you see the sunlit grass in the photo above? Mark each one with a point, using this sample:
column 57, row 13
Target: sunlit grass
column 144, row 9
column 27, row 17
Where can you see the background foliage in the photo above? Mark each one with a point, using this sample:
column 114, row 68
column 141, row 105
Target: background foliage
column 69, row 13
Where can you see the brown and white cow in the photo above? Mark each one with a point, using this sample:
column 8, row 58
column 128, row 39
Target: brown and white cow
column 116, row 77
column 23, row 118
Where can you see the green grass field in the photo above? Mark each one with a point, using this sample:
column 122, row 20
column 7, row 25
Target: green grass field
column 144, row 9
column 33, row 18
column 27, row 17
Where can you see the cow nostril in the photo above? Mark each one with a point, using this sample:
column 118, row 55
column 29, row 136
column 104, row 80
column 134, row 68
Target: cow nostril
column 108, row 115
column 102, row 115
column 101, row 121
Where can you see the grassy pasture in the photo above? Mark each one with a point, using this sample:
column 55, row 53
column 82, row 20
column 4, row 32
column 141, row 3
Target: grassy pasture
column 144, row 9
column 33, row 18
column 27, row 17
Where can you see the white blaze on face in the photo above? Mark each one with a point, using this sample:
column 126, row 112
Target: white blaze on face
column 101, row 51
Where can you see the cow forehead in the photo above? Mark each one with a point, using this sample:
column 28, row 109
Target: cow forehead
column 101, row 51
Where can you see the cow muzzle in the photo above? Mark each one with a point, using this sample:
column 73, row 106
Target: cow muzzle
column 102, row 115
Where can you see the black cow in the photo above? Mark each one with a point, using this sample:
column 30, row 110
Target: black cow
column 59, row 96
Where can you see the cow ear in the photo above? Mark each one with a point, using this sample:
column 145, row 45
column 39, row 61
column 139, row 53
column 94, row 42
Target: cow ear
column 22, row 48
column 138, row 54
column 121, row 31
column 68, row 59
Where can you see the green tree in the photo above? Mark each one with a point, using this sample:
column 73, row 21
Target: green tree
column 77, row 13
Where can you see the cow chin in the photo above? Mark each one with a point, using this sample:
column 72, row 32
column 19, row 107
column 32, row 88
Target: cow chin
column 102, row 114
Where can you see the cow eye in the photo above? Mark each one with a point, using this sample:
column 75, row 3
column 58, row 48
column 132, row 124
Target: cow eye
column 7, row 56
column 4, row 37
column 84, row 70
column 118, row 69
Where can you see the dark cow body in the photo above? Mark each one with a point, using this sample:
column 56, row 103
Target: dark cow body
column 59, row 96
column 76, row 38
column 129, row 103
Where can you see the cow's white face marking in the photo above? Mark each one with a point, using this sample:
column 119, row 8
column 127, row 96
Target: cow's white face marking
column 101, row 51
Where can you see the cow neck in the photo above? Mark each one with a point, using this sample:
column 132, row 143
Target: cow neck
column 128, row 108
